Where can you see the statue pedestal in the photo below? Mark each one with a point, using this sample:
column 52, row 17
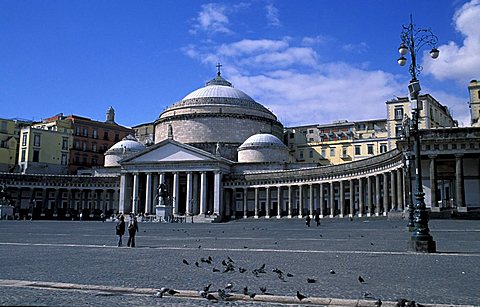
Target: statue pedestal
column 163, row 212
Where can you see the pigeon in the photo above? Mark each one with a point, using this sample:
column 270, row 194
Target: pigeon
column 199, row 246
column 311, row 280
column 263, row 290
column 185, row 262
column 368, row 295
column 300, row 296
column 229, row 286
column 162, row 291
column 196, row 264
column 262, row 269
column 230, row 259
column 224, row 263
column 245, row 291
column 207, row 288
column 223, row 295
column 332, row 272
column 278, row 271
column 211, row 297
column 371, row 243
column 242, row 270
column 252, row 295
column 289, row 275
column 215, row 270
column 378, row 303
column 210, row 259
column 360, row 279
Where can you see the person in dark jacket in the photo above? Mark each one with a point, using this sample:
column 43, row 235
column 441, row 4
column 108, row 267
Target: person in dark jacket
column 120, row 229
column 132, row 230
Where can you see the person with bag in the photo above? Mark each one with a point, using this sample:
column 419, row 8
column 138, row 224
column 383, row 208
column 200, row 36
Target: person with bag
column 132, row 230
column 120, row 229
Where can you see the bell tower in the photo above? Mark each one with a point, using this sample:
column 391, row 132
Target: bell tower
column 110, row 116
column 474, row 103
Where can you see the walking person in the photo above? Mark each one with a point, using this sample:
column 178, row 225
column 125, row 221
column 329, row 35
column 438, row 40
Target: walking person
column 307, row 220
column 132, row 230
column 317, row 219
column 120, row 229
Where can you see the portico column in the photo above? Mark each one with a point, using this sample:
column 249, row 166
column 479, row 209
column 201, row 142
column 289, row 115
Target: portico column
column 393, row 189
column 154, row 193
column 352, row 198
column 322, row 201
column 203, row 192
column 189, row 200
column 135, row 193
column 360, row 197
column 256, row 203
column 148, row 194
column 399, row 189
column 217, row 192
column 332, row 199
column 369, row 196
column 377, row 195
column 279, row 202
column 310, row 199
column 433, row 184
column 300, row 201
column 289, row 201
column 341, row 194
column 245, row 202
column 267, row 202
column 385, row 194
column 123, row 189
column 175, row 193
column 459, row 186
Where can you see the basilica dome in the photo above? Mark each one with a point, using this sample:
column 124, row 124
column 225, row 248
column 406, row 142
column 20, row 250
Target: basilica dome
column 263, row 147
column 126, row 147
column 216, row 116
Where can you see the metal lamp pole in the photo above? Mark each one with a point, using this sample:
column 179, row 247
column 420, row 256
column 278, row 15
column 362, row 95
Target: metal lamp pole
column 413, row 39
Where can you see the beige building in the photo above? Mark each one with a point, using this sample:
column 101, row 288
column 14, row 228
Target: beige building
column 338, row 142
column 9, row 139
column 43, row 150
column 474, row 103
column 145, row 133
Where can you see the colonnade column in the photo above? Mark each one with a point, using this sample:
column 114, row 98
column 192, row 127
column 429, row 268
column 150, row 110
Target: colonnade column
column 175, row 193
column 217, row 192
column 352, row 198
column 256, row 204
column 459, row 184
column 321, row 201
column 245, row 202
column 148, row 194
column 203, row 192
column 289, row 201
column 332, row 199
column 279, row 202
column 310, row 199
column 189, row 200
column 341, row 195
column 393, row 189
column 399, row 189
column 369, row 196
column 433, row 184
column 377, row 195
column 360, row 197
column 267, row 202
column 385, row 194
column 135, row 193
column 300, row 201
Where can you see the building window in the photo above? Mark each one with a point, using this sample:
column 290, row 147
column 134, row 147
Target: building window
column 361, row 126
column 324, row 153
column 77, row 144
column 64, row 159
column 84, row 146
column 399, row 113
column 77, row 160
column 85, row 131
column 105, row 135
column 332, row 152
column 36, row 140
column 94, row 147
column 300, row 154
column 95, row 134
column 358, row 150
column 77, row 130
column 370, row 149
column 36, row 156
column 104, row 147
column 291, row 135
column 65, row 143
column 383, row 148
column 94, row 160
column 84, row 160
column 398, row 130
column 4, row 126
column 344, row 152
column 24, row 139
column 117, row 137
column 310, row 153
column 22, row 158
column 310, row 131
column 310, row 139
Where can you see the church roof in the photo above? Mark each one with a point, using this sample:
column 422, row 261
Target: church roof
column 129, row 144
column 262, row 140
column 217, row 91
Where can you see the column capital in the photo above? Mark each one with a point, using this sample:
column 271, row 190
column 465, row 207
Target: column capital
column 432, row 156
column 458, row 156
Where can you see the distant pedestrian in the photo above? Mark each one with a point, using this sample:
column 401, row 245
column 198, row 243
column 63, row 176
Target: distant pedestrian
column 120, row 229
column 132, row 230
column 317, row 219
column 307, row 220
column 81, row 216
column 102, row 217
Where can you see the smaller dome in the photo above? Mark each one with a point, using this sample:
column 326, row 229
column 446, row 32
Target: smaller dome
column 262, row 140
column 126, row 147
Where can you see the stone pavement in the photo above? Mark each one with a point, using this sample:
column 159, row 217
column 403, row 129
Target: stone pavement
column 78, row 263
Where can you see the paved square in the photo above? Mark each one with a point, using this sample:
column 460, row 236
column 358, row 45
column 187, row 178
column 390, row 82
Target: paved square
column 85, row 254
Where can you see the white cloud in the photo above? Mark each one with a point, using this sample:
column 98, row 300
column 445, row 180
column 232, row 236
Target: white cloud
column 312, row 41
column 211, row 19
column 356, row 48
column 459, row 62
column 316, row 93
column 272, row 15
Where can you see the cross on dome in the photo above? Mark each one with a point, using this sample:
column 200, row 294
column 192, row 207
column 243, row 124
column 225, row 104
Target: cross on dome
column 218, row 67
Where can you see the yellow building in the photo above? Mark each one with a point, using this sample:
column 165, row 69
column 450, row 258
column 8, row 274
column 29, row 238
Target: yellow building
column 338, row 142
column 43, row 150
column 145, row 133
column 432, row 115
column 9, row 138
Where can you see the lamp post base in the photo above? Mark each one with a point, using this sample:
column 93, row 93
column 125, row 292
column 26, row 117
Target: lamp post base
column 422, row 246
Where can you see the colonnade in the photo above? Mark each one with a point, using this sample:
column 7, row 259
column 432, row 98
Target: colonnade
column 369, row 195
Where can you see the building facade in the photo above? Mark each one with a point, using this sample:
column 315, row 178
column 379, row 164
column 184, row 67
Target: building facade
column 9, row 143
column 474, row 103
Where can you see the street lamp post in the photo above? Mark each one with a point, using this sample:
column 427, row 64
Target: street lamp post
column 413, row 39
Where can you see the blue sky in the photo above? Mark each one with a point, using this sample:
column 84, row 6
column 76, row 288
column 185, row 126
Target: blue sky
column 308, row 61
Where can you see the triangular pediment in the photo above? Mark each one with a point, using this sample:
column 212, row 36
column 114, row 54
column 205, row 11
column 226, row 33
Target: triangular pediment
column 170, row 151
